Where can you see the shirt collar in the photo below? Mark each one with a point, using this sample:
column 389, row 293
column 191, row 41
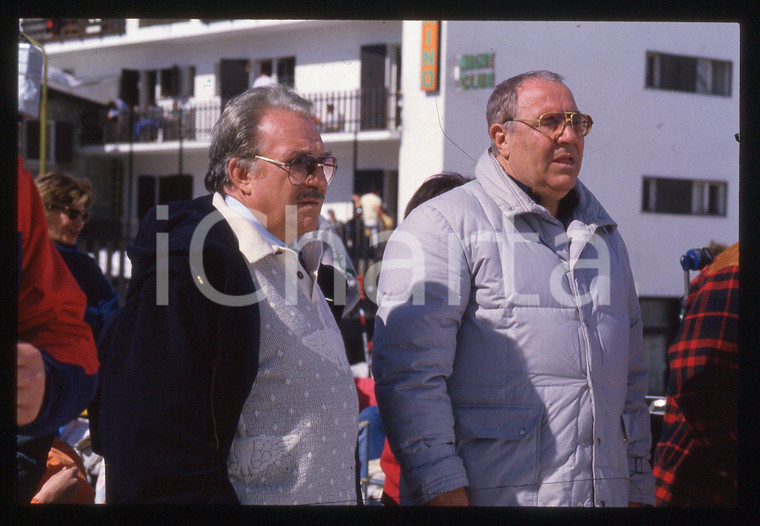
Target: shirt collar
column 268, row 236
column 527, row 189
column 566, row 205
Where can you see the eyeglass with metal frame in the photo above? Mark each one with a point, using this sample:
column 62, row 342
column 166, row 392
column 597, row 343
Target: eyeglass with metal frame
column 72, row 213
column 303, row 167
column 553, row 123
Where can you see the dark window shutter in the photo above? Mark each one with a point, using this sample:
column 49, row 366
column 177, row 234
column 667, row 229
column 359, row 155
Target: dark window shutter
column 678, row 73
column 152, row 79
column 233, row 78
column 146, row 194
column 688, row 74
column 64, row 142
column 674, row 196
column 128, row 90
column 33, row 139
column 191, row 82
column 373, row 87
column 645, row 196
column 286, row 71
column 170, row 82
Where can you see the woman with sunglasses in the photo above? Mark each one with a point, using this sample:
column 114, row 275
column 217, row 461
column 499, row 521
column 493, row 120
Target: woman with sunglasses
column 66, row 200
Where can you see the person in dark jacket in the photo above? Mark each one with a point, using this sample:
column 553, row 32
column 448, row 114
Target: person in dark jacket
column 225, row 379
column 67, row 200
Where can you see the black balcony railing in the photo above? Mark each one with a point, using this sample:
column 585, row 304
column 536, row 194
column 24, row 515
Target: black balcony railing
column 358, row 110
column 351, row 111
column 158, row 125
column 60, row 29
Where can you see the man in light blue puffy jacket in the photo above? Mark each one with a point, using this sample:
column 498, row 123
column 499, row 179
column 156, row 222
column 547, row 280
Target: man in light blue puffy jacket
column 508, row 344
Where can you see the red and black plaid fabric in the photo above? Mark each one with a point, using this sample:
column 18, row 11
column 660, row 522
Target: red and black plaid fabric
column 695, row 459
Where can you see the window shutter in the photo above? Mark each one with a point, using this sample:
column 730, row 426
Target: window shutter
column 64, row 142
column 33, row 139
column 170, row 82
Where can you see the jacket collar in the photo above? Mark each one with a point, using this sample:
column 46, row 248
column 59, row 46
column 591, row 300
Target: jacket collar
column 513, row 200
column 251, row 243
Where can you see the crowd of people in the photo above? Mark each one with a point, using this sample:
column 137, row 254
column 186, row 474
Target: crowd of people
column 507, row 361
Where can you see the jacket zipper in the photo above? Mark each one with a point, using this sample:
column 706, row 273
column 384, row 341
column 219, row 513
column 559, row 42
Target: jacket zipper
column 586, row 345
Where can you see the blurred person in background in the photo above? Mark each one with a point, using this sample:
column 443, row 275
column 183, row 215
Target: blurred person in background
column 67, row 200
column 372, row 206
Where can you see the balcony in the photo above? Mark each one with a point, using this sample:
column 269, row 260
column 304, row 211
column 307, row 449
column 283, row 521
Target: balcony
column 155, row 125
column 338, row 112
column 63, row 29
column 358, row 110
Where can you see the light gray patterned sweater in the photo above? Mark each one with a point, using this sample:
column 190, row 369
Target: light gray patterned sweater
column 296, row 436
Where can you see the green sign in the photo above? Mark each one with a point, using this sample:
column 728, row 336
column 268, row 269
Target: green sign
column 482, row 61
column 475, row 71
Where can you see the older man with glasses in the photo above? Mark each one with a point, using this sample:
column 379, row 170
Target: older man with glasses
column 508, row 340
column 225, row 377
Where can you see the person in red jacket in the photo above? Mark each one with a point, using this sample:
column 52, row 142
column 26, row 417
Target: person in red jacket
column 57, row 360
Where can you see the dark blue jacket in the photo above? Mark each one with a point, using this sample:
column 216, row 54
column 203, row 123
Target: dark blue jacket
column 102, row 301
column 175, row 377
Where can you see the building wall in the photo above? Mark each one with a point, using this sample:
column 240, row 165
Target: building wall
column 332, row 66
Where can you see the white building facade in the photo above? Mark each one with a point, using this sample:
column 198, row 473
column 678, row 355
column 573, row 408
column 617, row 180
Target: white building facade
column 401, row 100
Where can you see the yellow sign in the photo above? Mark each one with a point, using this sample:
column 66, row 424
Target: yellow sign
column 430, row 59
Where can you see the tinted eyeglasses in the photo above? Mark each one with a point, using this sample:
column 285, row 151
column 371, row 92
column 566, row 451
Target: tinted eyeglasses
column 553, row 123
column 72, row 213
column 304, row 166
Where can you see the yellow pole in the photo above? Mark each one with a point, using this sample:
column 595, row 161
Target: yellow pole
column 43, row 105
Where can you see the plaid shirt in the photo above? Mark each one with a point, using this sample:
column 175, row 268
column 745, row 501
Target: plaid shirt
column 695, row 460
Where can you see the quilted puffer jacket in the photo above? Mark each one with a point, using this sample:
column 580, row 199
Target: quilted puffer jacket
column 508, row 351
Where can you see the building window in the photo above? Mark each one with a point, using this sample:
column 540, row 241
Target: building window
column 286, row 71
column 692, row 74
column 283, row 70
column 667, row 195
column 59, row 146
column 177, row 82
column 170, row 82
column 659, row 317
column 188, row 89
column 153, row 190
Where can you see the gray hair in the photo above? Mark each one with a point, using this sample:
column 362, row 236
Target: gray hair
column 502, row 104
column 236, row 133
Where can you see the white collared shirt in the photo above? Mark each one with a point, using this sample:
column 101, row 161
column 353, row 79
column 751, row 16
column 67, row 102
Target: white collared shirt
column 312, row 252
